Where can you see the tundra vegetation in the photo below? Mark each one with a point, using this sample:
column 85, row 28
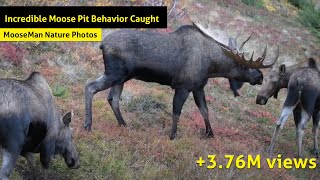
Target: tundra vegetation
column 142, row 150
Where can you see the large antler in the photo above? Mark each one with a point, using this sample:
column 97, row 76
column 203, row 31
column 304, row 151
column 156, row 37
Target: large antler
column 220, row 37
column 233, row 42
column 244, row 42
column 216, row 34
column 257, row 64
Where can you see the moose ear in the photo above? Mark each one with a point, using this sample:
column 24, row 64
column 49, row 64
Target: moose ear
column 312, row 63
column 67, row 118
column 282, row 69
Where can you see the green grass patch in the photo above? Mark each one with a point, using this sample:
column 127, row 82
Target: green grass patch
column 263, row 120
column 101, row 159
column 310, row 18
column 297, row 3
column 60, row 91
column 256, row 3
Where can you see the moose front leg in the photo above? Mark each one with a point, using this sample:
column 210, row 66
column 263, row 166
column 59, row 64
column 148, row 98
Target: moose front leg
column 286, row 111
column 234, row 86
column 199, row 98
column 315, row 118
column 100, row 84
column 180, row 97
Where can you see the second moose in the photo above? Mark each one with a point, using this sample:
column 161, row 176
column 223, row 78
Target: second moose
column 303, row 100
column 183, row 59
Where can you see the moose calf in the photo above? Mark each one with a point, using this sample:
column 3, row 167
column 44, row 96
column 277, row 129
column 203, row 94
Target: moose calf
column 303, row 99
column 31, row 123
column 278, row 78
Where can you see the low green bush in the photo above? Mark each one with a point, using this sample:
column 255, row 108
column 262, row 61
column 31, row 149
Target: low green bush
column 60, row 91
column 296, row 3
column 257, row 3
column 310, row 18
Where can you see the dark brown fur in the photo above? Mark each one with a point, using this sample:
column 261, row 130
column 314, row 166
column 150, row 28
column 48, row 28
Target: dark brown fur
column 183, row 60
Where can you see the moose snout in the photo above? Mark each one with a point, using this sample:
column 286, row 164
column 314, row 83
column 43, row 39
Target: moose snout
column 261, row 100
column 74, row 163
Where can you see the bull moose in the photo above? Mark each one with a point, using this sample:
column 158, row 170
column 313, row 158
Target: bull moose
column 30, row 122
column 277, row 79
column 183, row 60
column 303, row 100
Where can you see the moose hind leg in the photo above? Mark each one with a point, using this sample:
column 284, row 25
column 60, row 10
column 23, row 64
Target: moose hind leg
column 308, row 104
column 113, row 99
column 179, row 99
column 102, row 83
column 305, row 116
column 315, row 118
column 199, row 98
column 8, row 163
column 286, row 111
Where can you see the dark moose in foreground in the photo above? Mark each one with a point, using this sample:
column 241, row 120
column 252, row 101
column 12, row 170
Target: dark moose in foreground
column 183, row 59
column 30, row 122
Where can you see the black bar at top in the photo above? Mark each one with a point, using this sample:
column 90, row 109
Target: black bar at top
column 74, row 11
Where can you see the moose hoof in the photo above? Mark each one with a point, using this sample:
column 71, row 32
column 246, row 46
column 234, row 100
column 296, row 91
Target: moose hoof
column 123, row 125
column 316, row 153
column 87, row 127
column 172, row 137
column 210, row 135
column 236, row 94
column 270, row 151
